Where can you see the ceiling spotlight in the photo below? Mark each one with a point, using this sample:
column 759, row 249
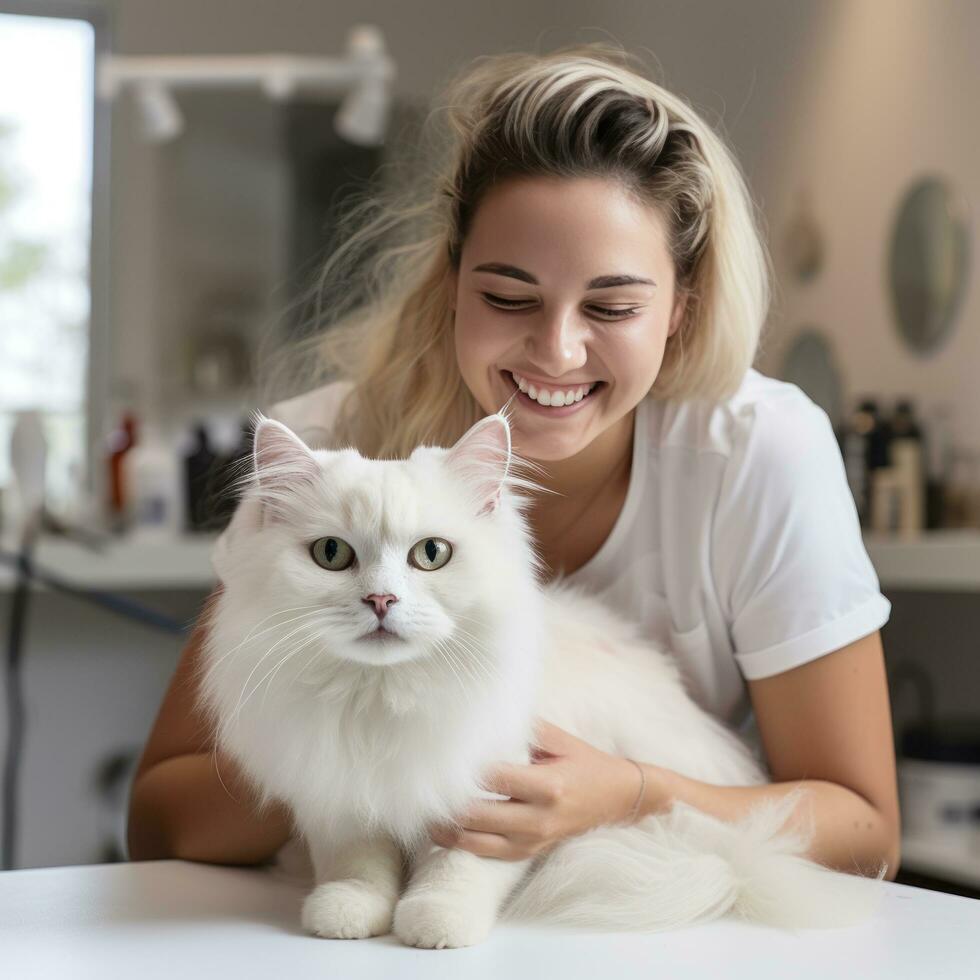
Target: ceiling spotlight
column 362, row 116
column 364, row 74
column 279, row 85
column 161, row 117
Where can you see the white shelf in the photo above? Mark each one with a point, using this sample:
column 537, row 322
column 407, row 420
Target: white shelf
column 126, row 563
column 946, row 560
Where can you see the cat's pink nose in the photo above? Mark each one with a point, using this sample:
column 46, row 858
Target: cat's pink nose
column 381, row 603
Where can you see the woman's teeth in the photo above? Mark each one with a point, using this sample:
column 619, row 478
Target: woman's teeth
column 555, row 399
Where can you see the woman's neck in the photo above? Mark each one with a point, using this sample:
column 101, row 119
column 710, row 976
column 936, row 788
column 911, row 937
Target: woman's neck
column 581, row 476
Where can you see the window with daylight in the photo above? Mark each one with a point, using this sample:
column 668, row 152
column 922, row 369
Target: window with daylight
column 46, row 126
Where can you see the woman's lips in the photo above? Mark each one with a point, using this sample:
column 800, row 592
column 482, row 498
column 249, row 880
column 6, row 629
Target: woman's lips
column 550, row 385
column 535, row 406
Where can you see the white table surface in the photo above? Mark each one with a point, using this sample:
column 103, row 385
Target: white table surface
column 177, row 920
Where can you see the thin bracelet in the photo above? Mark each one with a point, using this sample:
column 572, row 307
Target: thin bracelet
column 639, row 796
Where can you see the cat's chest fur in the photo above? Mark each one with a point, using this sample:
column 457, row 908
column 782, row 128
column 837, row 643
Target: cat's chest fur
column 397, row 749
column 394, row 748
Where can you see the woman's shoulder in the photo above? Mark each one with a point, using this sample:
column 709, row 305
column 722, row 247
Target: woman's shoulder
column 762, row 409
column 311, row 414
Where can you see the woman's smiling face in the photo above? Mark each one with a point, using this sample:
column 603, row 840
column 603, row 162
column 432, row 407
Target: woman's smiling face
column 530, row 299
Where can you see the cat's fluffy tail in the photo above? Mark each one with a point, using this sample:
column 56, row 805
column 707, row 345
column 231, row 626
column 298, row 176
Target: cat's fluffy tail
column 684, row 867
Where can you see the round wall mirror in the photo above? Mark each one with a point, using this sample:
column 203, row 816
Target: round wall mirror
column 928, row 263
column 810, row 364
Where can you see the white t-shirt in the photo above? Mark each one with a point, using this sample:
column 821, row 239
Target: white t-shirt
column 738, row 547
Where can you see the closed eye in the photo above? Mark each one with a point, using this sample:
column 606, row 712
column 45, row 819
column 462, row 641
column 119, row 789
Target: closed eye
column 515, row 304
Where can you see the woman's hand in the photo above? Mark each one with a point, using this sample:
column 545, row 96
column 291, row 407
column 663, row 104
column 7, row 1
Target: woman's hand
column 570, row 787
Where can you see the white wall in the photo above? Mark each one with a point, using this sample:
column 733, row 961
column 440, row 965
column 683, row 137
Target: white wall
column 886, row 92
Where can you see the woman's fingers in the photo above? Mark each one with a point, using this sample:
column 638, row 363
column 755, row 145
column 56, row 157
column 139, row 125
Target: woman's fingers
column 531, row 784
column 508, row 817
column 495, row 846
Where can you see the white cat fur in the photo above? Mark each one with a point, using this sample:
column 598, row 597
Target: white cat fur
column 370, row 743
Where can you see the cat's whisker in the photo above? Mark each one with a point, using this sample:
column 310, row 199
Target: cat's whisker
column 473, row 665
column 470, row 619
column 214, row 758
column 445, row 651
column 461, row 631
column 316, row 655
column 245, row 698
column 479, row 659
column 261, row 659
column 302, row 646
column 310, row 611
column 448, row 658
column 308, row 607
column 271, row 650
column 465, row 663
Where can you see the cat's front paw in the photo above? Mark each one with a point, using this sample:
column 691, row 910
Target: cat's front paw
column 441, row 921
column 348, row 909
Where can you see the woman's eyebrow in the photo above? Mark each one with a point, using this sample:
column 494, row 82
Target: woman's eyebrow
column 600, row 282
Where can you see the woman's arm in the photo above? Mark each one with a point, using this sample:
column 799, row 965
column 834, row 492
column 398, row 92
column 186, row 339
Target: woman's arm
column 188, row 801
column 198, row 808
column 825, row 725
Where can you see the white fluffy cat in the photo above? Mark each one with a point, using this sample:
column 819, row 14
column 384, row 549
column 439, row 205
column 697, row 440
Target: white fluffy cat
column 370, row 739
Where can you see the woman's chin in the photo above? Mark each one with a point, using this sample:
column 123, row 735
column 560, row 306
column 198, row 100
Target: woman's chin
column 541, row 448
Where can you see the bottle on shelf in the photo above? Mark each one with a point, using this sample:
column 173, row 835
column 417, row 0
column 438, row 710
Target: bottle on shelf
column 962, row 508
column 854, row 448
column 233, row 466
column 199, row 464
column 155, row 505
column 28, row 466
column 120, row 441
column 938, row 465
column 906, row 451
column 884, row 480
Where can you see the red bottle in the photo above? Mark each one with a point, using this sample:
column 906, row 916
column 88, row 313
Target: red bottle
column 120, row 441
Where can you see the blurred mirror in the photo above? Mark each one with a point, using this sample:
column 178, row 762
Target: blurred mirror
column 927, row 263
column 810, row 365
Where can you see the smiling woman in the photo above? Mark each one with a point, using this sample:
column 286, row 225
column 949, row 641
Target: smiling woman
column 608, row 195
column 570, row 330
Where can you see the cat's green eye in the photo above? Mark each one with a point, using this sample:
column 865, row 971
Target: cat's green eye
column 333, row 554
column 430, row 554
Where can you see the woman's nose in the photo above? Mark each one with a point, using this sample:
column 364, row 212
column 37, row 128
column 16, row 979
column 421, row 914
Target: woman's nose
column 557, row 344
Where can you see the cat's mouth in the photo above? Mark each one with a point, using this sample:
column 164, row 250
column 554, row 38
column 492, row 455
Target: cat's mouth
column 380, row 634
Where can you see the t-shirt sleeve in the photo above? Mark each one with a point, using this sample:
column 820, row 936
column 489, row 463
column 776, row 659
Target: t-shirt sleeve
column 788, row 557
column 309, row 416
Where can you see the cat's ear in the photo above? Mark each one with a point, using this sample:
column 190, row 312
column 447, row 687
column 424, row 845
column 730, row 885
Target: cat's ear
column 282, row 461
column 482, row 459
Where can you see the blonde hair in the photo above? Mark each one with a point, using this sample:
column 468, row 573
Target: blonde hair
column 582, row 110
